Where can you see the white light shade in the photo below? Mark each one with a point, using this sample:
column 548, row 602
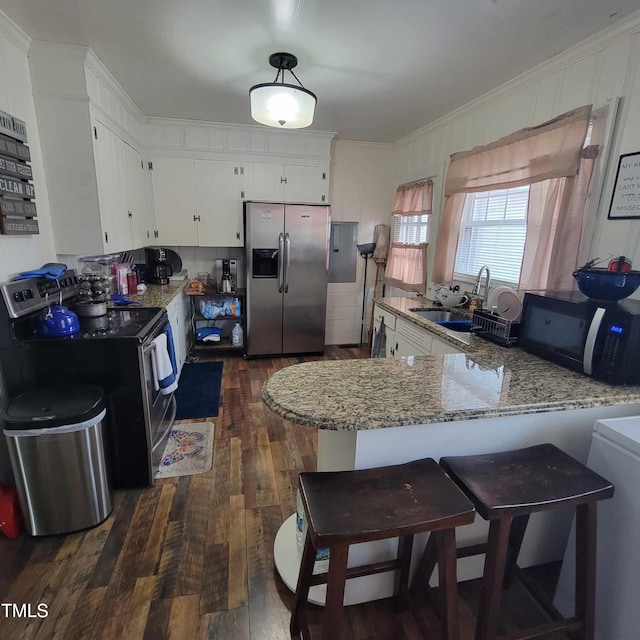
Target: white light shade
column 280, row 105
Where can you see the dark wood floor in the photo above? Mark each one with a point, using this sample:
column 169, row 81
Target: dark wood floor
column 192, row 557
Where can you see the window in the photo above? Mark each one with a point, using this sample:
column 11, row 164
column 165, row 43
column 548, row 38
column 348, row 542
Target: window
column 411, row 229
column 407, row 261
column 492, row 232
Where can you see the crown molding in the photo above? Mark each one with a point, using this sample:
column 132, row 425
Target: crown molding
column 104, row 75
column 14, row 33
column 601, row 40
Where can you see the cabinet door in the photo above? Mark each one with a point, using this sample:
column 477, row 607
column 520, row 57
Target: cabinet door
column 109, row 196
column 442, row 346
column 305, row 184
column 174, row 199
column 263, row 181
column 136, row 206
column 218, row 203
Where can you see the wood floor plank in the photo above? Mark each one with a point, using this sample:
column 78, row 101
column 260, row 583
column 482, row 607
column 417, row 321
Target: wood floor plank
column 221, row 487
column 190, row 568
column 225, row 625
column 184, row 618
column 214, row 595
column 158, row 619
column 236, row 466
column 123, row 577
column 124, row 506
column 138, row 608
column 170, row 560
column 237, row 553
column 81, row 623
column 153, row 547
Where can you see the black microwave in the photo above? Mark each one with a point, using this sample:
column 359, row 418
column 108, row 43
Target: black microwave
column 600, row 339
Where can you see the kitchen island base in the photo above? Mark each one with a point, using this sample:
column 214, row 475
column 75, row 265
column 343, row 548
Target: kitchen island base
column 546, row 535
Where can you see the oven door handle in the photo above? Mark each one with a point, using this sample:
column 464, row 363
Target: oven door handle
column 590, row 343
column 173, row 407
column 154, row 369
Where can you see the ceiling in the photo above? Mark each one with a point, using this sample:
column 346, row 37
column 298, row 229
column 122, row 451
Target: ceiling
column 380, row 69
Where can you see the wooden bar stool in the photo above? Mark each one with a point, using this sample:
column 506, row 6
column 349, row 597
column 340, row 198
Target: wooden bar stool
column 348, row 507
column 506, row 488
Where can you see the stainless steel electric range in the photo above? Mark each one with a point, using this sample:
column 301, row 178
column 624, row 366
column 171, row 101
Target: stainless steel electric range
column 113, row 351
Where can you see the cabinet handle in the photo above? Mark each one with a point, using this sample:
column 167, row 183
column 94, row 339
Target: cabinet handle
column 196, row 218
column 238, row 235
column 106, row 236
column 323, row 198
column 283, row 180
column 242, row 195
column 130, row 215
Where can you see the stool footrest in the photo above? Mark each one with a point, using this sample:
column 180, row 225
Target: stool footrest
column 564, row 626
column 360, row 571
column 471, row 550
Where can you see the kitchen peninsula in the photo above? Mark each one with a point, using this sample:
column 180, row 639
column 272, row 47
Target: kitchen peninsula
column 390, row 410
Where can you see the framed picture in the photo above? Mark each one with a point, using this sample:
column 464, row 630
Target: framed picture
column 625, row 201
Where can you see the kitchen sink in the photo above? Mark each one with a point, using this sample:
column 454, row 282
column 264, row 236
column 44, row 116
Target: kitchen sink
column 446, row 319
column 439, row 316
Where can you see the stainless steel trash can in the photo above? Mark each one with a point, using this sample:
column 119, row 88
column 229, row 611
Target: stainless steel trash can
column 56, row 445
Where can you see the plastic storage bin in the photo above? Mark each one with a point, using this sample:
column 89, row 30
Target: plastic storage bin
column 56, row 445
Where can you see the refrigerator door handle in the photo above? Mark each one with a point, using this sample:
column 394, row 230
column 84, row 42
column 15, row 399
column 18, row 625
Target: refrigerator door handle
column 280, row 263
column 287, row 245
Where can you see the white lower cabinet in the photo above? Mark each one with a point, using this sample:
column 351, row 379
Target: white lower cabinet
column 177, row 313
column 407, row 339
column 380, row 315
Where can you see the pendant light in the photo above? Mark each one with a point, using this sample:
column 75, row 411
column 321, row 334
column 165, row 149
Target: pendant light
column 279, row 104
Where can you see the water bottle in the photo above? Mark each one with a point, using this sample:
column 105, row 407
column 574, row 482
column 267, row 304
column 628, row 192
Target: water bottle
column 236, row 335
column 322, row 555
column 301, row 530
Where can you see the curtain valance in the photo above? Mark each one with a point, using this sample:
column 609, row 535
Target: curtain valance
column 549, row 150
column 413, row 199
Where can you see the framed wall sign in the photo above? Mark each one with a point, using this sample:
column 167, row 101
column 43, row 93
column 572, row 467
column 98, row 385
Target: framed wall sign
column 625, row 201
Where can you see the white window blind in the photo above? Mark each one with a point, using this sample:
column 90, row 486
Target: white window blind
column 492, row 232
column 411, row 229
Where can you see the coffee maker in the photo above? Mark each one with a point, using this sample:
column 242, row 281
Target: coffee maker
column 158, row 268
column 227, row 275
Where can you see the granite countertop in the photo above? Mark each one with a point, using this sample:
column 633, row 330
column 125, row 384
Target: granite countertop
column 156, row 295
column 486, row 381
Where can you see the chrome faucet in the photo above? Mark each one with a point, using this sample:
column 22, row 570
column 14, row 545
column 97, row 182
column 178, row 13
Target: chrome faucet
column 476, row 286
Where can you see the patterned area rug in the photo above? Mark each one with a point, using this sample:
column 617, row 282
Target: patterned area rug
column 189, row 450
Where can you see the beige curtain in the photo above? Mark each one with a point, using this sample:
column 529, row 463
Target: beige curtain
column 543, row 154
column 413, row 198
column 407, row 267
column 407, row 263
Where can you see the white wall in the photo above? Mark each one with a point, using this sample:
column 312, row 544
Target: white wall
column 600, row 68
column 21, row 253
column 361, row 190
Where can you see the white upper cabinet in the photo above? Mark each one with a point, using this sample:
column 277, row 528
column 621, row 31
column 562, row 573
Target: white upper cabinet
column 219, row 185
column 197, row 202
column 120, row 180
column 305, row 184
column 174, row 198
column 285, row 182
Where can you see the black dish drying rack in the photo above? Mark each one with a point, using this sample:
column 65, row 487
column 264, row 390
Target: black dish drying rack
column 494, row 328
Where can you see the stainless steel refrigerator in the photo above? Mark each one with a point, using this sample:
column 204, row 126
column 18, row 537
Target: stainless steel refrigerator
column 287, row 263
